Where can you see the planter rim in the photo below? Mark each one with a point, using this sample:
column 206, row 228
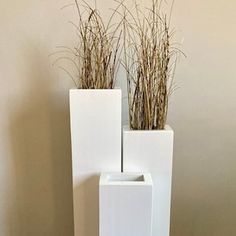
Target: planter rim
column 167, row 128
column 77, row 89
column 126, row 179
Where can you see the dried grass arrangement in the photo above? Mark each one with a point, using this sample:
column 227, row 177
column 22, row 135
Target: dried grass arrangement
column 96, row 56
column 150, row 60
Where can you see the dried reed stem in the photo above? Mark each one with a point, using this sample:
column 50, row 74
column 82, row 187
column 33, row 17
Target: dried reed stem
column 149, row 62
column 96, row 55
column 97, row 51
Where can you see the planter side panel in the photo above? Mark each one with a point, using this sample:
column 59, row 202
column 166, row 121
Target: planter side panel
column 95, row 117
column 152, row 151
column 125, row 210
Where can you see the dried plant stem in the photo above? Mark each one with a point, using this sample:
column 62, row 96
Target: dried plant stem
column 149, row 62
column 96, row 55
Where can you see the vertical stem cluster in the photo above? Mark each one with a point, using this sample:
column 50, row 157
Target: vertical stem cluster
column 149, row 63
column 96, row 55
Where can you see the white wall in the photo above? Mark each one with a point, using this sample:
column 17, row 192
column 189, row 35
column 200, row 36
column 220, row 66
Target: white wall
column 35, row 162
column 203, row 115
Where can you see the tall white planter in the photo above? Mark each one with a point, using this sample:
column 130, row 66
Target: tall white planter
column 125, row 204
column 152, row 151
column 95, row 117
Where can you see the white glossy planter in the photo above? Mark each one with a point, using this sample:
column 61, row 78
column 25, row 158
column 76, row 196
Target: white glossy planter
column 95, row 117
column 125, row 204
column 152, row 151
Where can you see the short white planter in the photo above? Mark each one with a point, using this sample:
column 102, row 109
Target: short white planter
column 125, row 204
column 152, row 151
column 95, row 119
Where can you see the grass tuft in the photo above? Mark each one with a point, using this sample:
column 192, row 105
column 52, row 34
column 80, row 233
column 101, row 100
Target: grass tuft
column 150, row 61
column 96, row 57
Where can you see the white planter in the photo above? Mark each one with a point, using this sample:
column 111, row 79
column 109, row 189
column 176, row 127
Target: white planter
column 152, row 151
column 95, row 117
column 125, row 205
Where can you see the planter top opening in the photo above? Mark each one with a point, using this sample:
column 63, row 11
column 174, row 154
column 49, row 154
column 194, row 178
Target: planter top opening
column 167, row 128
column 125, row 179
column 89, row 89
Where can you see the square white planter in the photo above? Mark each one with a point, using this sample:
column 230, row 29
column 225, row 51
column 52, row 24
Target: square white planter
column 95, row 119
column 152, row 151
column 125, row 204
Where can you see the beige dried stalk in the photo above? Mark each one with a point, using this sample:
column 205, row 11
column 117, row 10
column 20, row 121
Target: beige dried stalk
column 97, row 51
column 96, row 55
column 150, row 61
